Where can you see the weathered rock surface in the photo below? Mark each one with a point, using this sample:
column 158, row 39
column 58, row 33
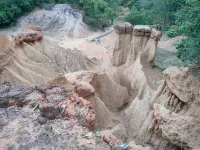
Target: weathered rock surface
column 35, row 62
column 107, row 96
column 132, row 60
column 61, row 123
column 58, row 21
column 127, row 98
column 183, row 84
column 134, row 40
column 28, row 33
column 84, row 89
column 180, row 130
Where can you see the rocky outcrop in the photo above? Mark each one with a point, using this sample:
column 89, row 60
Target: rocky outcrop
column 31, row 59
column 177, row 94
column 38, row 123
column 122, row 47
column 58, row 21
column 183, row 84
column 127, row 98
column 28, row 33
column 178, row 106
column 132, row 41
column 53, row 102
column 107, row 96
column 180, row 130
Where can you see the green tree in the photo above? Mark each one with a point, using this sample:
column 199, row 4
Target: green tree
column 188, row 25
column 139, row 17
column 153, row 11
column 98, row 13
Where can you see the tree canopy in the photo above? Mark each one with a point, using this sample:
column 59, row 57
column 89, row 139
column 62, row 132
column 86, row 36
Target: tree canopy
column 188, row 25
column 177, row 17
column 98, row 13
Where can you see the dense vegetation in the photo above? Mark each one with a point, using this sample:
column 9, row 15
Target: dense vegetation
column 153, row 11
column 188, row 25
column 11, row 9
column 98, row 13
column 177, row 17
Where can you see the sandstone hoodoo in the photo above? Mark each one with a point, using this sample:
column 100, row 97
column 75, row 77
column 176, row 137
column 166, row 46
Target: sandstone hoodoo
column 57, row 98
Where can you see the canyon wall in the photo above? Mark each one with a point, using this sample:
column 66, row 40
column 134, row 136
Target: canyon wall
column 29, row 58
column 137, row 103
column 163, row 113
column 131, row 100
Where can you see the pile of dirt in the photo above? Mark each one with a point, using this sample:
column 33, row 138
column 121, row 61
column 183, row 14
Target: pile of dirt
column 58, row 21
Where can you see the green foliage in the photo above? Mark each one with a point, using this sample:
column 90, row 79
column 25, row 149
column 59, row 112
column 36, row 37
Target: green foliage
column 98, row 13
column 11, row 9
column 177, row 17
column 189, row 53
column 173, row 31
column 139, row 17
column 153, row 11
column 188, row 25
column 114, row 4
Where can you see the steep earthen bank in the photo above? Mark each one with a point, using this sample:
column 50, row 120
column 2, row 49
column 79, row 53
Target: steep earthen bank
column 165, row 113
column 130, row 99
column 29, row 58
column 134, row 102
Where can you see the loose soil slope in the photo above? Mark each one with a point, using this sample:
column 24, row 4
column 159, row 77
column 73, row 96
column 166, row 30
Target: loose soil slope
column 30, row 59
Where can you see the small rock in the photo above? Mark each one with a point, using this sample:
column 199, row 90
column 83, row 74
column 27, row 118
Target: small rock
column 4, row 103
column 84, row 147
column 84, row 89
column 24, row 146
column 49, row 111
column 10, row 147
column 48, row 128
column 41, row 120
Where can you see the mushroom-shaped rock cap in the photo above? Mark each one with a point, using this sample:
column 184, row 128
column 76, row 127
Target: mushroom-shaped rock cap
column 124, row 28
column 28, row 33
column 147, row 30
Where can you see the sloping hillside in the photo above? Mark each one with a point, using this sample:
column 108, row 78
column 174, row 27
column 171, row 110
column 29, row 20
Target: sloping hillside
column 37, row 60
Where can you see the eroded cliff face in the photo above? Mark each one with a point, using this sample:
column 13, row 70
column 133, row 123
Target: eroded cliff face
column 178, row 111
column 29, row 58
column 59, row 21
column 165, row 116
column 133, row 42
column 139, row 104
column 127, row 98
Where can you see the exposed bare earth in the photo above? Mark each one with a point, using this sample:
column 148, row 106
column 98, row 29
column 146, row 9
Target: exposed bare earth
column 105, row 95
